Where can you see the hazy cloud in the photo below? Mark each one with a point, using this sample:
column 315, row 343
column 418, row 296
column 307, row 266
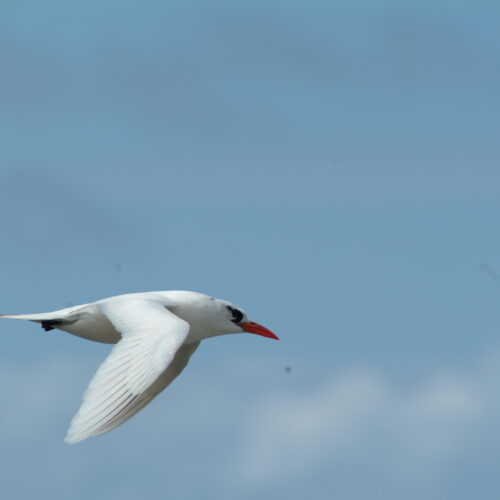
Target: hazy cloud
column 404, row 441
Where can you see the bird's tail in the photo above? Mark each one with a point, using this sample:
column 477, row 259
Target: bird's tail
column 61, row 314
column 49, row 318
column 30, row 317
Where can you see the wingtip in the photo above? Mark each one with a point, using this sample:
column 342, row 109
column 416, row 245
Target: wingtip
column 72, row 439
column 74, row 435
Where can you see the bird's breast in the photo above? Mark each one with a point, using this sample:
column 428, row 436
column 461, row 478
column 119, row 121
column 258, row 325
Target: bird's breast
column 91, row 324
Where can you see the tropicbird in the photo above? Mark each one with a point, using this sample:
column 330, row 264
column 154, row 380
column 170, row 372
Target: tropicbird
column 155, row 335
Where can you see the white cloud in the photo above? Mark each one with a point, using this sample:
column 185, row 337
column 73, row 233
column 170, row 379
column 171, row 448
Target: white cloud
column 398, row 441
column 237, row 432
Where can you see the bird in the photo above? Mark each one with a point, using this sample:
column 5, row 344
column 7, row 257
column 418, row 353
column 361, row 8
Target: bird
column 155, row 334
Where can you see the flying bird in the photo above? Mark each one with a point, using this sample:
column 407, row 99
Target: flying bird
column 155, row 335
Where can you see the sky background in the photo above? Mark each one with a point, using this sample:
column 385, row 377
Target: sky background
column 331, row 167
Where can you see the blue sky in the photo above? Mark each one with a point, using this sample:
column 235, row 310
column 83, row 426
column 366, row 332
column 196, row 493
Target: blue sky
column 330, row 167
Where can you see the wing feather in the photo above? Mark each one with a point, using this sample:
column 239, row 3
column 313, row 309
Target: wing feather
column 136, row 369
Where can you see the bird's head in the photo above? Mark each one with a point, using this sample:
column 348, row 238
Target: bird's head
column 209, row 317
column 239, row 319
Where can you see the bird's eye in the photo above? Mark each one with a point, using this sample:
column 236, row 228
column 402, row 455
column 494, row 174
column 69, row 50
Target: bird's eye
column 237, row 315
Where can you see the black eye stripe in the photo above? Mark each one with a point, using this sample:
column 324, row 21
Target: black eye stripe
column 237, row 315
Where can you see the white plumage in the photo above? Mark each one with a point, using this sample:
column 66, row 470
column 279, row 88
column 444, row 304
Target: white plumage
column 155, row 335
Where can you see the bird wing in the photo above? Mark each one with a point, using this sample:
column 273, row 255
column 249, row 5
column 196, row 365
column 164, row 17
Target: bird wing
column 135, row 371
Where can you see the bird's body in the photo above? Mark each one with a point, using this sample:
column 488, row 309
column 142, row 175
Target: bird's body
column 155, row 335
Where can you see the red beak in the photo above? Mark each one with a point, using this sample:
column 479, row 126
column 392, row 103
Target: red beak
column 252, row 327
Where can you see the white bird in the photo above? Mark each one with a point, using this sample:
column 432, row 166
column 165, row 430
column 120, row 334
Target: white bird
column 155, row 335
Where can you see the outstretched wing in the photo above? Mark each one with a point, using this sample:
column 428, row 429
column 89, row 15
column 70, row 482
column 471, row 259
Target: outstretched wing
column 137, row 368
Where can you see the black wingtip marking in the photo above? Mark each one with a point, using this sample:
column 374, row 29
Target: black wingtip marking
column 47, row 324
